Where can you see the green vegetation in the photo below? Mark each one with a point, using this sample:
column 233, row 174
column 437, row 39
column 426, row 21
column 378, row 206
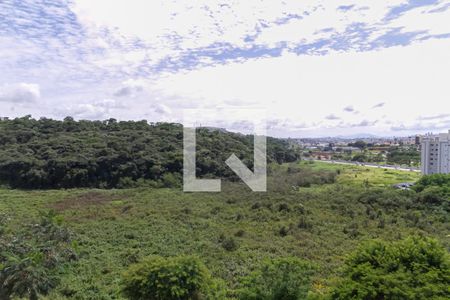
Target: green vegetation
column 414, row 268
column 47, row 153
column 172, row 278
column 399, row 156
column 243, row 238
column 358, row 175
column 358, row 144
column 282, row 278
column 434, row 190
column 435, row 180
column 392, row 155
column 31, row 259
column 143, row 238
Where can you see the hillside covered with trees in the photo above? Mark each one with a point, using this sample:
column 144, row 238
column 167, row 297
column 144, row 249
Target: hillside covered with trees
column 47, row 153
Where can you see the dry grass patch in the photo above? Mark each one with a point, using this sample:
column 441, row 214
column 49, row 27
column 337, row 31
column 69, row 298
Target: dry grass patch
column 82, row 201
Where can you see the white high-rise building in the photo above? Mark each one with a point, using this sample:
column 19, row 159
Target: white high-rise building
column 436, row 153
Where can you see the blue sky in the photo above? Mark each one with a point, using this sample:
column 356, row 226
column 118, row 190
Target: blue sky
column 317, row 67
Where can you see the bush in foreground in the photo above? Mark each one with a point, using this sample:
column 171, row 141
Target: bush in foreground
column 414, row 268
column 30, row 262
column 180, row 278
column 282, row 278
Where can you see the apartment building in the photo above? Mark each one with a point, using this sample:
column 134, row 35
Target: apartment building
column 435, row 151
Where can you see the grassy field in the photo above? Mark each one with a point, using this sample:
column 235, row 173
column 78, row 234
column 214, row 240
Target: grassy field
column 352, row 174
column 231, row 231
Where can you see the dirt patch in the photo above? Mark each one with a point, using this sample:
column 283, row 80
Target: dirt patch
column 81, row 201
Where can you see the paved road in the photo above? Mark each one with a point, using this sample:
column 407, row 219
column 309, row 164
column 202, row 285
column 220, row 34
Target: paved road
column 369, row 165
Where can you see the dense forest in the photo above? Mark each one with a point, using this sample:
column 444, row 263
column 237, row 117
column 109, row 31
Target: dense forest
column 48, row 153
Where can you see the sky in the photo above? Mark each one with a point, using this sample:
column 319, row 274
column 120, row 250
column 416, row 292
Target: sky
column 318, row 68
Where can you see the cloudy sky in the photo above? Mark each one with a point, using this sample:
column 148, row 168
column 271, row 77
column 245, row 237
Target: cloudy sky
column 319, row 68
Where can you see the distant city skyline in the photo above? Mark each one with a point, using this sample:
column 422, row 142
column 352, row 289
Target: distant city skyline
column 320, row 68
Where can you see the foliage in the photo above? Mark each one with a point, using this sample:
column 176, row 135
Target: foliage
column 230, row 244
column 30, row 261
column 278, row 279
column 414, row 268
column 357, row 175
column 297, row 176
column 434, row 190
column 48, row 153
column 157, row 278
column 386, row 198
column 439, row 180
column 399, row 156
column 26, row 277
column 433, row 195
column 358, row 144
column 324, row 222
column 396, row 155
column 360, row 157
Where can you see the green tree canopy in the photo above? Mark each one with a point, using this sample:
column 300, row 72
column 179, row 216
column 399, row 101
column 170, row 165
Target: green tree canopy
column 48, row 153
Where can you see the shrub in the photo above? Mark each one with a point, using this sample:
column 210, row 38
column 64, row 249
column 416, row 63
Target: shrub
column 413, row 217
column 432, row 195
column 170, row 180
column 284, row 207
column 284, row 231
column 26, row 277
column 359, row 158
column 441, row 180
column 256, row 205
column 381, row 223
column 300, row 208
column 385, row 198
column 352, row 230
column 157, row 278
column 240, row 233
column 30, row 263
column 230, row 244
column 303, row 223
column 294, row 177
column 414, row 268
column 126, row 182
column 282, row 278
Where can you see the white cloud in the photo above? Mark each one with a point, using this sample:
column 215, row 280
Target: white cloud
column 349, row 108
column 307, row 88
column 326, row 15
column 96, row 110
column 379, row 105
column 435, row 117
column 420, row 18
column 131, row 88
column 332, row 117
column 163, row 109
column 199, row 23
column 150, row 57
column 20, row 93
column 170, row 25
